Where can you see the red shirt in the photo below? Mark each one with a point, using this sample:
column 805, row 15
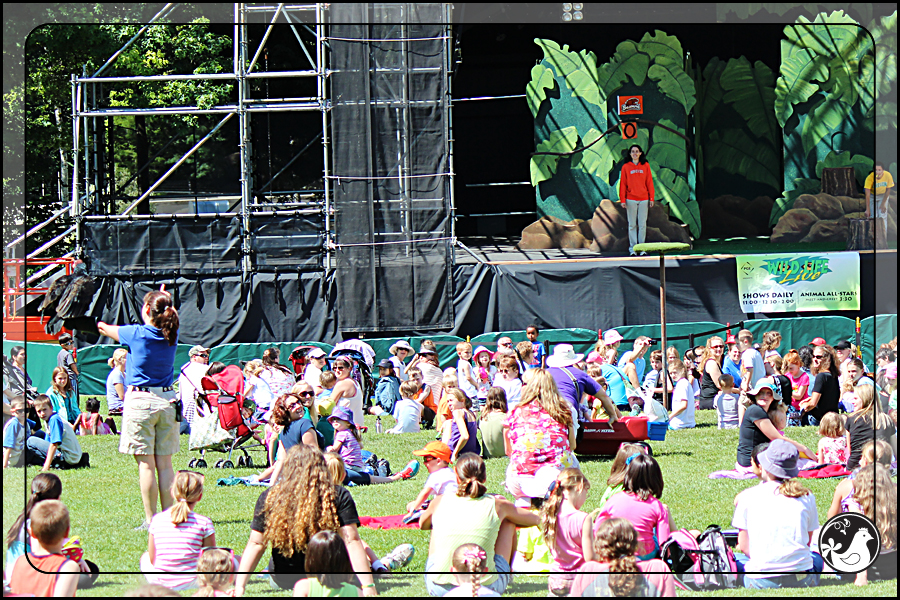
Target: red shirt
column 25, row 579
column 636, row 182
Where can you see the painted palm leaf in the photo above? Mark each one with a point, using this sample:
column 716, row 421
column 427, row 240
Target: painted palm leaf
column 735, row 152
column 710, row 93
column 626, row 63
column 536, row 90
column 674, row 191
column 543, row 167
column 786, row 201
column 751, row 90
column 796, row 83
column 668, row 149
column 661, row 44
column 673, row 81
column 561, row 60
column 823, row 120
column 585, row 80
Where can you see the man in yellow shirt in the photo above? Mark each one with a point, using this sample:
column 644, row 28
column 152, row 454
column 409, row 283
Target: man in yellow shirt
column 878, row 184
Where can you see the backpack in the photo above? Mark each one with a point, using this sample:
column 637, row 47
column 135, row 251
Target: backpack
column 705, row 563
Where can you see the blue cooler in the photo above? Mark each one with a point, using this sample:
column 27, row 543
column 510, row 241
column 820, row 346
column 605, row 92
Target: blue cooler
column 657, row 431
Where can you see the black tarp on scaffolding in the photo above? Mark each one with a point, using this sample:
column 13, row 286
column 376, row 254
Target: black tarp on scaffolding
column 390, row 166
column 500, row 297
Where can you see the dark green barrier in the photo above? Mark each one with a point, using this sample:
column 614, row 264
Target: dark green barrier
column 876, row 331
column 40, row 360
column 673, row 330
column 799, row 332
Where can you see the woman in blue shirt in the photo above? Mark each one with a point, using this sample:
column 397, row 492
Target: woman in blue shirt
column 149, row 424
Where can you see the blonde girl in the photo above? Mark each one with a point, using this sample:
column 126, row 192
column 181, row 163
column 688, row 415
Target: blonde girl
column 62, row 397
column 875, row 495
column 215, row 573
column 833, row 447
column 771, row 340
column 460, row 434
column 567, row 529
column 115, row 382
column 468, row 566
column 874, row 451
column 484, row 371
column 867, row 422
column 177, row 536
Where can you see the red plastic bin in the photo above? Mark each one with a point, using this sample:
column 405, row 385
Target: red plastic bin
column 597, row 437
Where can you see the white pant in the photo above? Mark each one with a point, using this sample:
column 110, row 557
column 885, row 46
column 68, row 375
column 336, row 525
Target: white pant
column 637, row 221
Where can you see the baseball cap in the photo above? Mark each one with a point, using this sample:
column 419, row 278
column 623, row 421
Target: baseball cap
column 316, row 353
column 438, row 450
column 817, row 342
column 198, row 350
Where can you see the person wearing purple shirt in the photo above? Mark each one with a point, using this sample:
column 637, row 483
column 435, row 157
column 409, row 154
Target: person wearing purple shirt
column 561, row 367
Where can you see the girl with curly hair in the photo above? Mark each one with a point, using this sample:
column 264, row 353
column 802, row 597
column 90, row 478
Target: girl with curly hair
column 303, row 502
column 616, row 571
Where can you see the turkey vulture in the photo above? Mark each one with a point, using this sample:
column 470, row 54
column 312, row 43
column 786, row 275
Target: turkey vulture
column 69, row 302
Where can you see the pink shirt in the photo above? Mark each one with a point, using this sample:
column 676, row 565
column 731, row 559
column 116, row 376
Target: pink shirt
column 536, row 439
column 648, row 516
column 803, row 379
column 593, row 580
column 178, row 546
column 351, row 451
column 568, row 556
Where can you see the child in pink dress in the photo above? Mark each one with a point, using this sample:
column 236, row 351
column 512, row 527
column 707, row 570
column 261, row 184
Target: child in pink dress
column 639, row 503
column 91, row 423
column 833, row 447
column 567, row 529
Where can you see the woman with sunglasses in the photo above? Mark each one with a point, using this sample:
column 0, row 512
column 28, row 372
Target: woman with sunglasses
column 711, row 368
column 289, row 413
column 346, row 391
column 825, row 395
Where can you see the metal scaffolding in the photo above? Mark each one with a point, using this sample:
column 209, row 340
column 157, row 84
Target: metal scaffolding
column 90, row 181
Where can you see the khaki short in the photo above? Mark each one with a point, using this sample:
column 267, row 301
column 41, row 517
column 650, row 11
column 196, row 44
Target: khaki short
column 148, row 424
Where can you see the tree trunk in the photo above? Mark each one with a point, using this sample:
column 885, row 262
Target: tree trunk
column 143, row 157
column 839, row 181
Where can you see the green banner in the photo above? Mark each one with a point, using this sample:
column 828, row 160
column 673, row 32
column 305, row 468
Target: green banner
column 791, row 283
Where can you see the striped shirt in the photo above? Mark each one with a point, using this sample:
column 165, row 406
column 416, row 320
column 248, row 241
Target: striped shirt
column 178, row 546
column 351, row 451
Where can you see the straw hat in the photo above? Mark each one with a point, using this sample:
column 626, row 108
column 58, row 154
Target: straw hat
column 398, row 345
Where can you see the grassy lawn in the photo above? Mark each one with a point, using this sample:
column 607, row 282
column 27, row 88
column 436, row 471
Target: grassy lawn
column 105, row 505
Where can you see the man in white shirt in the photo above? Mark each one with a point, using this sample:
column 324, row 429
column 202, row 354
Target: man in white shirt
column 752, row 365
column 188, row 384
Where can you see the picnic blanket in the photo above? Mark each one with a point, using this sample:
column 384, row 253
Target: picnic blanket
column 824, row 472
column 388, row 522
column 248, row 480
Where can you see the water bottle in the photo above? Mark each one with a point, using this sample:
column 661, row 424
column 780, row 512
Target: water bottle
column 377, row 424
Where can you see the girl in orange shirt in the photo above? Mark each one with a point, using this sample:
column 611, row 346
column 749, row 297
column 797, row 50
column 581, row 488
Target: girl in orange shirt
column 635, row 190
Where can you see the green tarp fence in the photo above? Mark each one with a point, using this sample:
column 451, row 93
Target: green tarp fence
column 877, row 330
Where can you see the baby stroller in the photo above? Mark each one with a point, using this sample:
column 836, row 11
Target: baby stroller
column 361, row 372
column 223, row 394
column 299, row 359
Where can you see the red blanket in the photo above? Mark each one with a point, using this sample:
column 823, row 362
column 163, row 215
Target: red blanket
column 825, row 472
column 389, row 522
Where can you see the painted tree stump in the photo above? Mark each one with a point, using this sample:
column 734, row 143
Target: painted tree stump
column 839, row 181
column 860, row 234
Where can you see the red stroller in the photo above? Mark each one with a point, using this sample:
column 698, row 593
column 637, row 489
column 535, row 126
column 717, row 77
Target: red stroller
column 225, row 392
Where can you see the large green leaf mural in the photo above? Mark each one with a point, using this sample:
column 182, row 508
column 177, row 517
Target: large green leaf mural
column 544, row 166
column 668, row 148
column 674, row 190
column 673, row 81
column 736, row 152
column 751, row 90
column 626, row 63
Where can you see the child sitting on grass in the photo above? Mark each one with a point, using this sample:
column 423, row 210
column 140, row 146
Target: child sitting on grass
column 639, row 502
column 408, row 411
column 387, row 390
column 833, row 447
column 15, row 432
column 60, row 447
column 327, row 556
column 567, row 529
column 215, row 573
column 468, row 565
column 45, row 486
column 617, row 572
column 532, row 554
column 347, row 442
column 616, row 478
column 493, row 415
column 461, row 433
column 324, row 403
column 45, row 571
column 62, row 396
column 777, row 413
column 425, row 396
column 91, row 423
column 441, row 478
column 726, row 403
column 444, row 412
column 177, row 535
